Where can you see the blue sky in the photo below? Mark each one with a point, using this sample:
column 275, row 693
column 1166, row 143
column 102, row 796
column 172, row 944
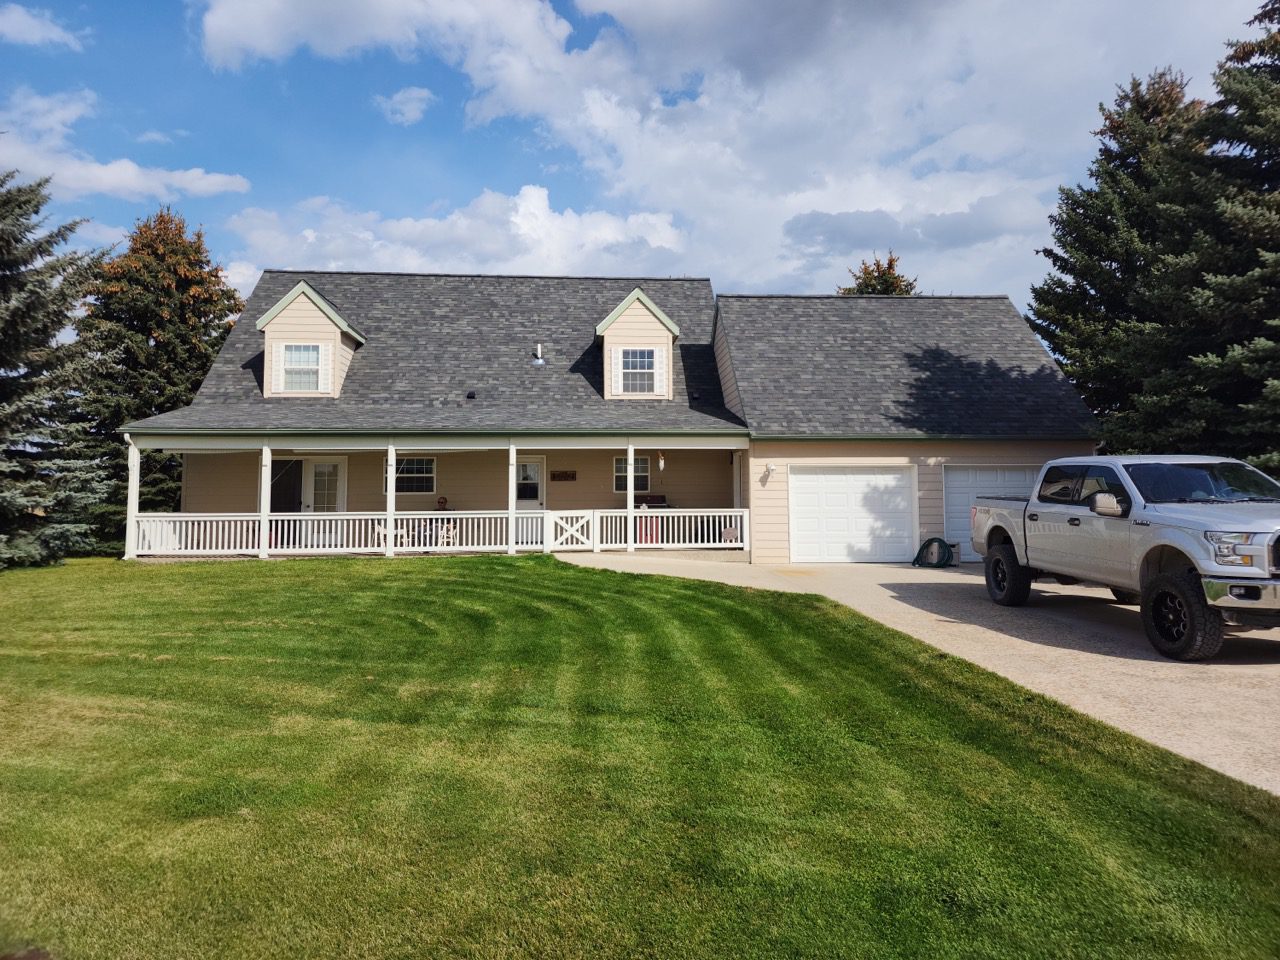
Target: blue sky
column 763, row 145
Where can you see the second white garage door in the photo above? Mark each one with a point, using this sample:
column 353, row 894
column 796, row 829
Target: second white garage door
column 850, row 514
column 961, row 484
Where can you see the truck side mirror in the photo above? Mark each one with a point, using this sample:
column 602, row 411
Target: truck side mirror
column 1106, row 505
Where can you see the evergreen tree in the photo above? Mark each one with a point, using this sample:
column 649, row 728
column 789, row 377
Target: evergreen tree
column 1127, row 249
column 157, row 317
column 879, row 277
column 42, row 493
column 1240, row 289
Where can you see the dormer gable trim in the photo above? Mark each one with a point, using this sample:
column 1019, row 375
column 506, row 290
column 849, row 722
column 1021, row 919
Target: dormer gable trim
column 302, row 288
column 637, row 295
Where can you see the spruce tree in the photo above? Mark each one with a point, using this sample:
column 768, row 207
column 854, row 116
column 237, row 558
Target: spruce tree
column 46, row 482
column 157, row 317
column 1127, row 248
column 1240, row 287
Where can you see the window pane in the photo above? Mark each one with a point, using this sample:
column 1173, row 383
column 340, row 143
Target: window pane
column 1058, row 485
column 415, row 475
column 301, row 380
column 302, row 355
column 1101, row 480
column 620, row 474
column 635, row 382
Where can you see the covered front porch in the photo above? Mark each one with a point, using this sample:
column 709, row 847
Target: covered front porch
column 296, row 495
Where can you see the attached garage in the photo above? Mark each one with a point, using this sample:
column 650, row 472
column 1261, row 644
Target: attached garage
column 960, row 484
column 874, row 421
column 844, row 514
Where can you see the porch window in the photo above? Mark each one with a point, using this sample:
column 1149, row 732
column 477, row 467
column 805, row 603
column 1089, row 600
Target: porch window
column 302, row 367
column 413, row 475
column 637, row 370
column 641, row 474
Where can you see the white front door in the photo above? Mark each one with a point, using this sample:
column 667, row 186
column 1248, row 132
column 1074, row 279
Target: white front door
column 960, row 485
column 848, row 514
column 529, row 482
column 323, row 487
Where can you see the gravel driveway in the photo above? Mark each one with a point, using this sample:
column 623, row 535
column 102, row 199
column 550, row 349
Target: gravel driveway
column 1072, row 643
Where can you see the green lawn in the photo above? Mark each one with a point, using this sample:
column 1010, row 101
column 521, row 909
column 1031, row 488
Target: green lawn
column 498, row 757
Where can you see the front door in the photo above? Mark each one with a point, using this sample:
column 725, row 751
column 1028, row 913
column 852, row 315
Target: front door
column 286, row 486
column 323, row 488
column 529, row 481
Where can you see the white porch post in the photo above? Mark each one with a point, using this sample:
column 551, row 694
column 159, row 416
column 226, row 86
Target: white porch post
column 631, row 497
column 391, row 499
column 264, row 504
column 511, row 496
column 131, row 504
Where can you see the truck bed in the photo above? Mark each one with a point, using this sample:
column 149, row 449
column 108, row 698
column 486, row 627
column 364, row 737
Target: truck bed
column 1014, row 498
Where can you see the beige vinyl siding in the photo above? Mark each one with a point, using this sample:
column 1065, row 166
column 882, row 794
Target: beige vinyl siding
column 220, row 482
column 637, row 327
column 472, row 480
column 769, row 496
column 304, row 322
column 728, row 379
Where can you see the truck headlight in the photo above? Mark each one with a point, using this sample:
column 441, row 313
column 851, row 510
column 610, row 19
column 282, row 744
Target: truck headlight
column 1229, row 548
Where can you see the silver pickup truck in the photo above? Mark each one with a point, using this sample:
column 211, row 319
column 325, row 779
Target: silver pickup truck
column 1193, row 540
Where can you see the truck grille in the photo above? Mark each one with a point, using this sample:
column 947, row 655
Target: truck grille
column 1275, row 554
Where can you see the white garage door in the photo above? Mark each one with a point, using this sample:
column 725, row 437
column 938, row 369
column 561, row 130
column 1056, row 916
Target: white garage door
column 847, row 514
column 961, row 484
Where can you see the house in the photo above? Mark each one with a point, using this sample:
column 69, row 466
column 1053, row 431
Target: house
column 584, row 413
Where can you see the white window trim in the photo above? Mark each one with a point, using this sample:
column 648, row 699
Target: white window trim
column 323, row 368
column 435, row 476
column 661, row 372
column 638, row 474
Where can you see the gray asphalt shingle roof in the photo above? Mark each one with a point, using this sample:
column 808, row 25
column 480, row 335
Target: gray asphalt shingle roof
column 433, row 338
column 896, row 366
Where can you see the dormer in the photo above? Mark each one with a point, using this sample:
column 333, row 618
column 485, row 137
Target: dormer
column 638, row 340
column 307, row 345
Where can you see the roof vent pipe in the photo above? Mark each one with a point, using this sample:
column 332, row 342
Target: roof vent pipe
column 537, row 357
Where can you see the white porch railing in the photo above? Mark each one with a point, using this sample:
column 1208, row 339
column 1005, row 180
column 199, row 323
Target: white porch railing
column 197, row 534
column 294, row 534
column 665, row 529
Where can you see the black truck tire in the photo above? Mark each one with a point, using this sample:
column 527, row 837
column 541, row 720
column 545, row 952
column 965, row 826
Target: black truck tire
column 1008, row 581
column 1178, row 619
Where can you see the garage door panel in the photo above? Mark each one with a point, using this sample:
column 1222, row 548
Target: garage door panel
column 962, row 484
column 859, row 514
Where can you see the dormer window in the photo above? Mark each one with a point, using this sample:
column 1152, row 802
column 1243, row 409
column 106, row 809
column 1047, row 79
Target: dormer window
column 637, row 370
column 301, row 367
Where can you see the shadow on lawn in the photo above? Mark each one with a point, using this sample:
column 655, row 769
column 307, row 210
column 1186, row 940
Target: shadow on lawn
column 1090, row 624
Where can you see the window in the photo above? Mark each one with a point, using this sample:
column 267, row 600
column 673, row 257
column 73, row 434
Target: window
column 1226, row 480
column 641, row 474
column 637, row 370
column 1102, row 480
column 1059, row 484
column 413, row 475
column 302, row 367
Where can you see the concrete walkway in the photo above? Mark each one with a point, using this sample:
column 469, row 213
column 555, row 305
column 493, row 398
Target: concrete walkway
column 1071, row 643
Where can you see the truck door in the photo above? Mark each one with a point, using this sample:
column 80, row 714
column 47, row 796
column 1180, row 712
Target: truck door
column 1048, row 526
column 1101, row 544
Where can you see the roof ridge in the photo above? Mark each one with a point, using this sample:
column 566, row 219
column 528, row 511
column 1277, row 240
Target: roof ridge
column 862, row 296
column 479, row 276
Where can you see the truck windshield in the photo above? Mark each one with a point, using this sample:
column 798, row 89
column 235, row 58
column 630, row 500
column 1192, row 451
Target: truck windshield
column 1224, row 482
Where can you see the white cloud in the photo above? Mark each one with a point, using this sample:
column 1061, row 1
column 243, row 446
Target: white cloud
column 518, row 233
column 406, row 106
column 154, row 136
column 944, row 126
column 37, row 28
column 100, row 234
column 38, row 143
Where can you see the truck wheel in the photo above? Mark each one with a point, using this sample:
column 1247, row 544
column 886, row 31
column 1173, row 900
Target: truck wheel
column 1008, row 581
column 1179, row 621
column 1129, row 598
